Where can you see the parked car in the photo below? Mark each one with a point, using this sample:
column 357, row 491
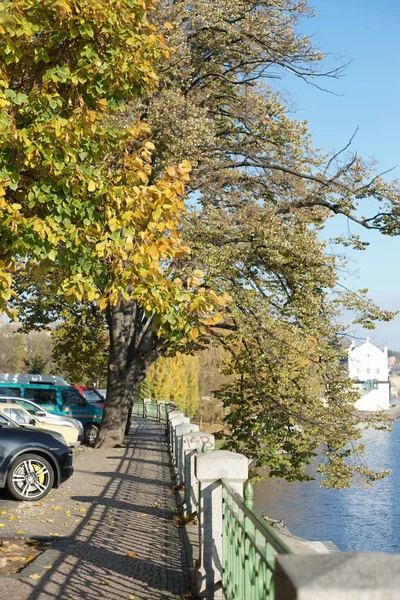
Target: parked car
column 32, row 461
column 91, row 394
column 31, row 378
column 19, row 415
column 60, row 400
column 43, row 415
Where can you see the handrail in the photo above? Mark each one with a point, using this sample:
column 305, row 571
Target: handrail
column 249, row 547
column 150, row 410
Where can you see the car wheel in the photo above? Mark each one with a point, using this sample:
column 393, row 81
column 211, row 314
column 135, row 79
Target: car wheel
column 90, row 433
column 30, row 477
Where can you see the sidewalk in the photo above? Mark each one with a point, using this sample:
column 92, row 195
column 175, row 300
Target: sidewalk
column 113, row 522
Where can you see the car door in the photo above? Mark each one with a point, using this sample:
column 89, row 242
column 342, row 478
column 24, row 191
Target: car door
column 75, row 405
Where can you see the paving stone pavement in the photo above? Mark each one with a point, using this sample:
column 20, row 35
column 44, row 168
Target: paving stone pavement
column 115, row 529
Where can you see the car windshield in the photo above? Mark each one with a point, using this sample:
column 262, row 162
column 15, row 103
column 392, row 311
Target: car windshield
column 16, row 414
column 92, row 396
column 30, row 407
column 9, row 391
column 6, row 422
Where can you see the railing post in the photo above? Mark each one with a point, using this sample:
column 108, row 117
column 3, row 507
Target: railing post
column 191, row 443
column 172, row 414
column 210, row 469
column 180, row 420
column 180, row 431
column 359, row 576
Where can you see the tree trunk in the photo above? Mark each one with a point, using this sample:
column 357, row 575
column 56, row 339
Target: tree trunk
column 133, row 348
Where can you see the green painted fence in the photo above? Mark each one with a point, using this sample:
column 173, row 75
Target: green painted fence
column 150, row 410
column 249, row 547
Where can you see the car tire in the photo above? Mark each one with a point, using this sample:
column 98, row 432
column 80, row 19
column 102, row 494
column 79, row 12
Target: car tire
column 31, row 477
column 90, row 433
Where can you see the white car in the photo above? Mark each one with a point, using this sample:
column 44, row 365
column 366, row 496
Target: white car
column 44, row 416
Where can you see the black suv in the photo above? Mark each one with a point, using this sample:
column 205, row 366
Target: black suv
column 32, row 462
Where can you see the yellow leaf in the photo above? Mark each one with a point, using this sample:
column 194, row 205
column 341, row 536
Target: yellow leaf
column 103, row 104
column 171, row 171
column 82, row 510
column 91, row 186
column 1, row 524
column 34, row 576
column 198, row 274
column 168, row 25
column 153, row 252
column 20, row 531
column 194, row 333
column 132, row 554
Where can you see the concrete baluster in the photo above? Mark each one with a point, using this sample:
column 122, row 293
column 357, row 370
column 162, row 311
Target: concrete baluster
column 359, row 576
column 192, row 443
column 210, row 468
column 180, row 420
column 172, row 415
column 180, row 431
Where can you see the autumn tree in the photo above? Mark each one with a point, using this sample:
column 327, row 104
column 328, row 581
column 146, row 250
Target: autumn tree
column 261, row 192
column 175, row 379
column 79, row 215
column 262, row 195
column 81, row 347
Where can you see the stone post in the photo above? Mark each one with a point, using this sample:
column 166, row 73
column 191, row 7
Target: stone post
column 180, row 431
column 338, row 576
column 173, row 425
column 172, row 415
column 210, row 469
column 191, row 444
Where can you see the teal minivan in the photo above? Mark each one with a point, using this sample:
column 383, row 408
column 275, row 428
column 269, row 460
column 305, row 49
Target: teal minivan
column 60, row 400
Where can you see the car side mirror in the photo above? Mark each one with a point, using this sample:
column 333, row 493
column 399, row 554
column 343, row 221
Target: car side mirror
column 40, row 413
column 32, row 422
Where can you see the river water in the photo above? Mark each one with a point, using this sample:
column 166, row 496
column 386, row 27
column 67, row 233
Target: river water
column 359, row 518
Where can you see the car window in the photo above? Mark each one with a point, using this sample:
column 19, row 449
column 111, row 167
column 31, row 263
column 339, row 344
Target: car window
column 41, row 396
column 9, row 391
column 92, row 396
column 17, row 415
column 72, row 398
column 4, row 422
column 27, row 406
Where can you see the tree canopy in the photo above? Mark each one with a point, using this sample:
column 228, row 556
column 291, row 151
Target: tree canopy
column 98, row 208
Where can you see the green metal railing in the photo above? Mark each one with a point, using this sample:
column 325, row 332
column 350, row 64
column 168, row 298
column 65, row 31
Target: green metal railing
column 249, row 547
column 150, row 410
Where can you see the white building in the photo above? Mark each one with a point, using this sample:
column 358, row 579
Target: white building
column 369, row 366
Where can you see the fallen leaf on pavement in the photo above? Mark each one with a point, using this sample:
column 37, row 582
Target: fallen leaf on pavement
column 34, row 576
column 132, row 554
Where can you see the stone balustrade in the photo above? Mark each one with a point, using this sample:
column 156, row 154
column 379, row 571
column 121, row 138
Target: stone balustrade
column 335, row 576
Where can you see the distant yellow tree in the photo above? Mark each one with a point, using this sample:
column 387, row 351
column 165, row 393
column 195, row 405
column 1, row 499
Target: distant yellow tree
column 175, row 379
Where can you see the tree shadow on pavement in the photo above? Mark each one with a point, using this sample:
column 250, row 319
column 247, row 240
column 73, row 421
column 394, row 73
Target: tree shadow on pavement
column 128, row 546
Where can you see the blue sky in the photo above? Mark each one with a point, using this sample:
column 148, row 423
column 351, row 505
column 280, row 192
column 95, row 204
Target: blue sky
column 367, row 34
